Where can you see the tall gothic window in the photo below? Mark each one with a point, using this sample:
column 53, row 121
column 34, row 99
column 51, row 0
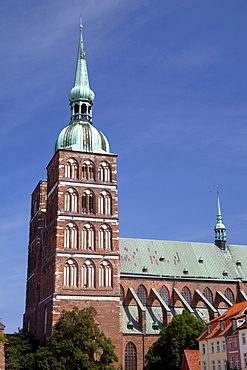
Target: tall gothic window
column 130, row 359
column 88, row 274
column 70, row 236
column 208, row 294
column 142, row 294
column 70, row 273
column 105, row 274
column 229, row 295
column 105, row 237
column 71, row 200
column 186, row 294
column 104, row 172
column 88, row 236
column 88, row 201
column 87, row 170
column 164, row 293
column 71, row 169
column 104, row 206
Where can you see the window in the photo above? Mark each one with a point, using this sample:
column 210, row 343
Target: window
column 208, row 295
column 222, row 325
column 223, row 345
column 212, row 347
column 235, row 342
column 71, row 169
column 209, row 329
column 164, row 293
column 88, row 274
column 70, row 236
column 219, row 364
column 105, row 274
column 88, row 170
column 225, row 364
column 121, row 293
column 88, row 237
column 130, row 360
column 186, row 294
column 105, row 237
column 203, row 349
column 70, row 200
column 88, row 202
column 217, row 346
column 104, row 172
column 213, row 365
column 237, row 362
column 234, row 325
column 70, row 273
column 229, row 295
column 230, row 343
column 45, row 320
column 105, row 203
column 231, row 362
column 204, row 365
column 142, row 294
column 243, row 338
column 245, row 359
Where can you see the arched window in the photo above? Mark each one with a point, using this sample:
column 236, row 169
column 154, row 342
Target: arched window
column 88, row 201
column 142, row 294
column 70, row 200
column 105, row 237
column 121, row 293
column 130, row 359
column 104, row 172
column 71, row 169
column 104, row 206
column 105, row 274
column 87, row 170
column 229, row 295
column 164, row 293
column 45, row 320
column 88, row 237
column 208, row 295
column 70, row 236
column 70, row 273
column 88, row 274
column 186, row 294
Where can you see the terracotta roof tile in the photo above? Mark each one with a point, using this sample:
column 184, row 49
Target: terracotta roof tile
column 192, row 357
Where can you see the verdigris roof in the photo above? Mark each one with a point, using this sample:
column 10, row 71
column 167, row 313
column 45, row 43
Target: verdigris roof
column 169, row 259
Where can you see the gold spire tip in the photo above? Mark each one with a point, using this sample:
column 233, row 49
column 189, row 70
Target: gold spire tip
column 81, row 26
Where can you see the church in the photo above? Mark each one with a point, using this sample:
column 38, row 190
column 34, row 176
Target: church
column 76, row 258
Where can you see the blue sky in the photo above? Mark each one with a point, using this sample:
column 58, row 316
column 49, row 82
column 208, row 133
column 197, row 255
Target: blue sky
column 170, row 84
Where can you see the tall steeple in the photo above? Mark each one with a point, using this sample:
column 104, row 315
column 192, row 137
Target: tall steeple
column 80, row 135
column 220, row 229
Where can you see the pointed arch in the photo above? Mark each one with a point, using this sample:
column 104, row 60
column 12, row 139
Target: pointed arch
column 104, row 172
column 71, row 236
column 130, row 357
column 88, row 274
column 121, row 293
column 142, row 294
column 71, row 169
column 105, row 237
column 186, row 294
column 208, row 294
column 88, row 236
column 105, row 274
column 88, row 171
column 71, row 200
column 70, row 274
column 229, row 295
column 88, row 202
column 164, row 293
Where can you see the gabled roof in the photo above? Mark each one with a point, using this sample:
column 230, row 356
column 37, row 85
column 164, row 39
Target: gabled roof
column 192, row 357
column 164, row 258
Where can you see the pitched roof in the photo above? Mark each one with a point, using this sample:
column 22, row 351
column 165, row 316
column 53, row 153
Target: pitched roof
column 192, row 357
column 172, row 258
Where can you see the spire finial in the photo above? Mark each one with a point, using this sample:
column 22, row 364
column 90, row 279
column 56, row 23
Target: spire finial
column 81, row 25
column 220, row 229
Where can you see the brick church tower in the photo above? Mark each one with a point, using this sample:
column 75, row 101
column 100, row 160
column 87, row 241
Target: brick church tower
column 73, row 253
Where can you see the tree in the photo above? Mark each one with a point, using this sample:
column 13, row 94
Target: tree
column 19, row 351
column 180, row 334
column 76, row 343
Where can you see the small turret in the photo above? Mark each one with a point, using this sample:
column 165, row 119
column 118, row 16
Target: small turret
column 220, row 229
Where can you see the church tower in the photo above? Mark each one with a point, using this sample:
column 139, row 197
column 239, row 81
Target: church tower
column 73, row 254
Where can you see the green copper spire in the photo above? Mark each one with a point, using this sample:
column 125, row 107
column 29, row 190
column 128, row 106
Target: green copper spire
column 220, row 229
column 81, row 96
column 80, row 135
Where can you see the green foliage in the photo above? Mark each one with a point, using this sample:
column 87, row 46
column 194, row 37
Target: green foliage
column 181, row 333
column 3, row 339
column 19, row 351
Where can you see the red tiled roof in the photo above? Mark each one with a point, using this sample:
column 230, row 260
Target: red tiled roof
column 192, row 357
